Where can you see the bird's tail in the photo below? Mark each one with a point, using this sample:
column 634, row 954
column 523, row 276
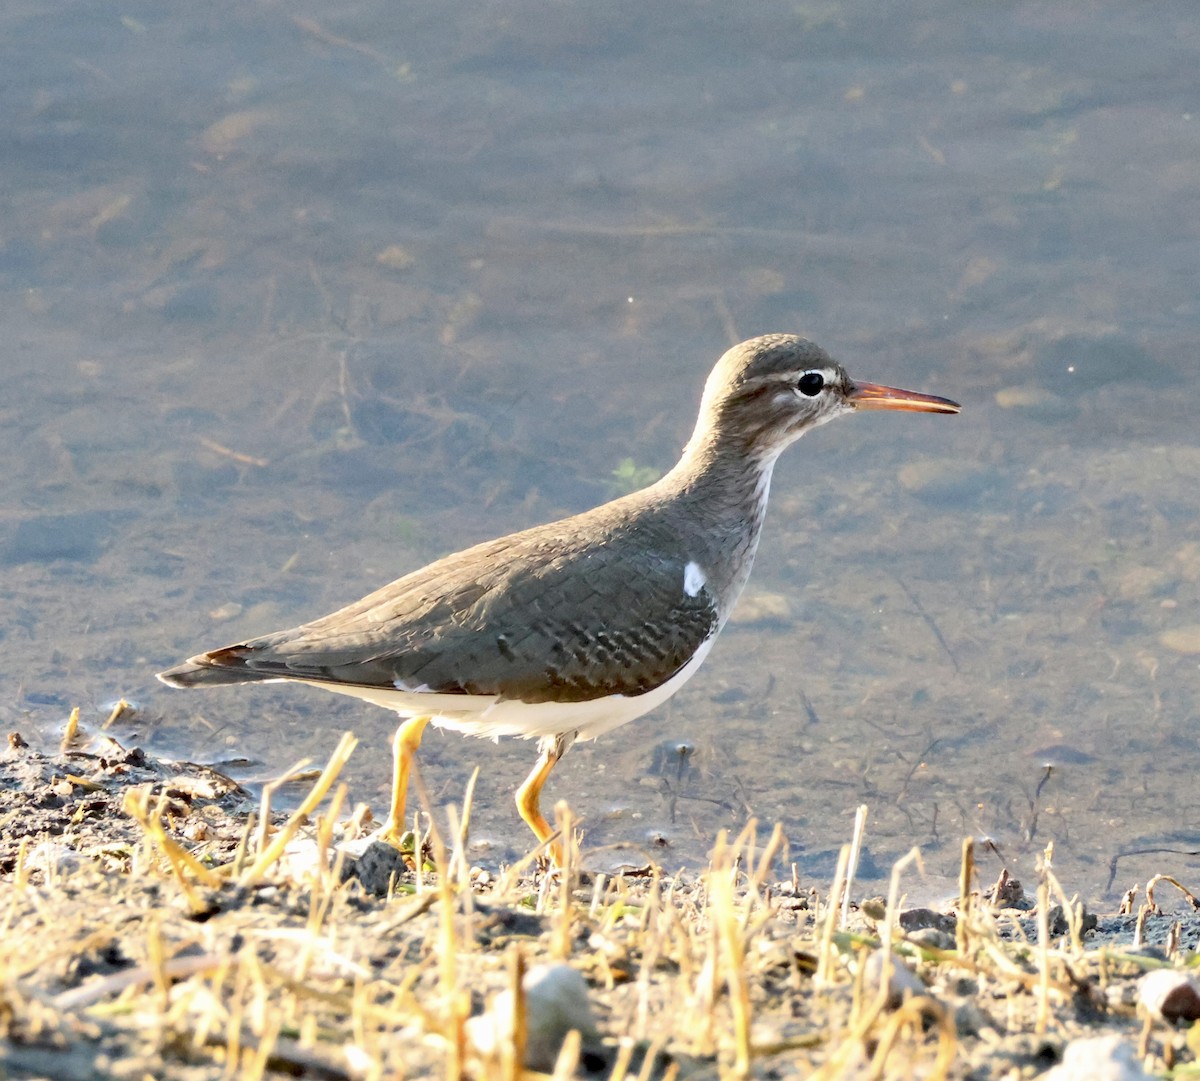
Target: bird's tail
column 218, row 668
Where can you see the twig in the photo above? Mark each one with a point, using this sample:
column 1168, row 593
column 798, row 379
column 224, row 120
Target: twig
column 236, row 455
column 929, row 621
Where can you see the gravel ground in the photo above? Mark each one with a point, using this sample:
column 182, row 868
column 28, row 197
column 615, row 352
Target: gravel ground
column 154, row 928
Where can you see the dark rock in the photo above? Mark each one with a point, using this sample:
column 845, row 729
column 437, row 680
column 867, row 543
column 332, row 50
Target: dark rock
column 1170, row 996
column 917, row 919
column 194, row 479
column 376, row 865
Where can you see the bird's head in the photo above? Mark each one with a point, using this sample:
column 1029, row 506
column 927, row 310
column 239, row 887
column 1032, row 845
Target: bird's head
column 767, row 392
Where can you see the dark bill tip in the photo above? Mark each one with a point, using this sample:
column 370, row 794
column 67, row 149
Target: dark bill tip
column 877, row 396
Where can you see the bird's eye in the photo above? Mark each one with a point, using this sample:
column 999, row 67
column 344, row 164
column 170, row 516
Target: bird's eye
column 810, row 384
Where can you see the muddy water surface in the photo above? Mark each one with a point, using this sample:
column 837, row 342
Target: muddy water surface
column 297, row 301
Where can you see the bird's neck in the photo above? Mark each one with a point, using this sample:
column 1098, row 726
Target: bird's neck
column 723, row 492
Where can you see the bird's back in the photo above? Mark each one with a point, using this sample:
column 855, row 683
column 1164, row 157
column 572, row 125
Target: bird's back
column 566, row 612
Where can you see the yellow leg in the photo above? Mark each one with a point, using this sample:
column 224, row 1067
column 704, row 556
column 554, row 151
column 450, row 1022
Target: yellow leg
column 404, row 749
column 529, row 797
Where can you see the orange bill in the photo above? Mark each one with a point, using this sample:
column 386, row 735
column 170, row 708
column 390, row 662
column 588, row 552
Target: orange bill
column 877, row 396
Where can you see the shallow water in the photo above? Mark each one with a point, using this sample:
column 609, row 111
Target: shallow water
column 299, row 301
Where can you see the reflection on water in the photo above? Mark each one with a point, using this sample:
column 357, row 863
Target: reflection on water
column 298, row 301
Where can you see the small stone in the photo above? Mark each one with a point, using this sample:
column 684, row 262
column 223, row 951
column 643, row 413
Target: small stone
column 1184, row 640
column 79, row 538
column 916, row 919
column 612, row 949
column 197, row 480
column 1025, row 398
column 759, row 608
column 376, row 864
column 1059, row 754
column 556, row 1002
column 196, row 830
column 1187, row 559
column 394, row 257
column 196, row 788
column 1138, row 583
column 226, row 135
column 672, row 758
column 930, row 938
column 196, row 303
column 902, row 980
column 199, row 905
column 945, row 480
column 1120, row 996
column 1036, row 402
column 1060, row 924
column 1007, row 892
column 481, row 876
column 52, row 858
column 1098, row 1058
column 1170, row 996
column 970, row 1020
column 1147, row 950
column 874, row 908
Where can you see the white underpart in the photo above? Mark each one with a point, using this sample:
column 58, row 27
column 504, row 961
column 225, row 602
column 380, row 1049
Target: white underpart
column 694, row 579
column 490, row 716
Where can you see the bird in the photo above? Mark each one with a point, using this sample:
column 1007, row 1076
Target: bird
column 570, row 629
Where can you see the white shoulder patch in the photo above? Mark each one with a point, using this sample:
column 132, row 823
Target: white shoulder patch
column 694, row 579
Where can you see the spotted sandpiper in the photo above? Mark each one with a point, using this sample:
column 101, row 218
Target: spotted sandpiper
column 568, row 630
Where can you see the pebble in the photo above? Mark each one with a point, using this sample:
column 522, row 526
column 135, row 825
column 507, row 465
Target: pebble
column 1060, row 924
column 931, row 938
column 79, row 538
column 902, row 980
column 52, row 858
column 1187, row 559
column 1098, row 1058
column 225, row 135
column 1139, row 583
column 970, row 1020
column 1024, row 397
column 1184, row 640
column 375, row 863
column 1036, row 402
column 759, row 608
column 395, row 257
column 917, row 919
column 946, row 480
column 556, row 1001
column 1170, row 996
column 200, row 480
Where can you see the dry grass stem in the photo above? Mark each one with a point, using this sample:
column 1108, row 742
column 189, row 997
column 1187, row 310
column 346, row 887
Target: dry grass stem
column 310, row 803
column 1043, row 942
column 71, row 731
column 1192, row 899
column 856, row 843
column 826, row 955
